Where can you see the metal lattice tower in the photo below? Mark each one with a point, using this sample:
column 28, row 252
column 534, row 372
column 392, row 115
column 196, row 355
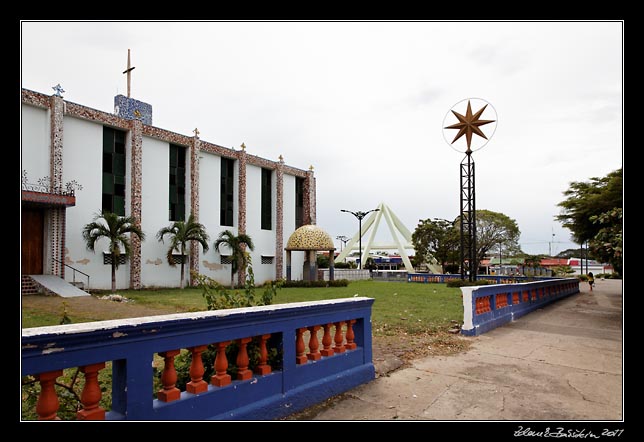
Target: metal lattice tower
column 468, row 219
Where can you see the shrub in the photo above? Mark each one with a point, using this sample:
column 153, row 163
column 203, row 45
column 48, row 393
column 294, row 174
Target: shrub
column 219, row 297
column 342, row 265
column 334, row 283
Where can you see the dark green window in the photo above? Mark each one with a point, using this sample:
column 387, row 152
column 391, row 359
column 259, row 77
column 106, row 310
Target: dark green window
column 177, row 182
column 226, row 201
column 267, row 200
column 113, row 171
column 299, row 202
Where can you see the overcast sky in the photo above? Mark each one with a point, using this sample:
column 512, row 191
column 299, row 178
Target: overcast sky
column 365, row 102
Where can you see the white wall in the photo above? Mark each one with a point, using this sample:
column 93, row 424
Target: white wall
column 35, row 143
column 209, row 216
column 83, row 162
column 155, row 270
column 264, row 240
column 297, row 258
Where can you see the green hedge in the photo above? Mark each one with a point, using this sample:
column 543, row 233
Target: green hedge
column 335, row 283
column 464, row 283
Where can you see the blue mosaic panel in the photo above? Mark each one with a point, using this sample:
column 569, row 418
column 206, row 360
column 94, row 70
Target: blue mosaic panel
column 132, row 109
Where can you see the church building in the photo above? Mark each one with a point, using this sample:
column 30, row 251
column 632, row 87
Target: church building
column 77, row 161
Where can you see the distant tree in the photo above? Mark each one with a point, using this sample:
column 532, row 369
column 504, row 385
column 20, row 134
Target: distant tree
column 238, row 256
column 181, row 233
column 438, row 239
column 494, row 230
column 593, row 212
column 532, row 260
column 568, row 253
column 562, row 270
column 117, row 230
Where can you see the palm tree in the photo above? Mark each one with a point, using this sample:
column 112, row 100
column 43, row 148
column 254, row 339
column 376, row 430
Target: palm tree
column 180, row 233
column 114, row 228
column 238, row 256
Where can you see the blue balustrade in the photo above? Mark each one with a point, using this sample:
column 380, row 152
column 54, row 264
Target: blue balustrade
column 131, row 344
column 489, row 306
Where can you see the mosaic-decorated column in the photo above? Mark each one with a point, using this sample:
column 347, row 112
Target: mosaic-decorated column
column 136, row 153
column 241, row 274
column 194, row 200
column 56, row 229
column 312, row 270
column 279, row 219
column 309, row 197
column 57, row 216
column 56, row 107
column 288, row 265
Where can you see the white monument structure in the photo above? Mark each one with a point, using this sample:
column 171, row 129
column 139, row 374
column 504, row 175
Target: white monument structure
column 400, row 234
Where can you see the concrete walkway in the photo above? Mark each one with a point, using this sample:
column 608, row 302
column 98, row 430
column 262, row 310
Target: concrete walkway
column 562, row 362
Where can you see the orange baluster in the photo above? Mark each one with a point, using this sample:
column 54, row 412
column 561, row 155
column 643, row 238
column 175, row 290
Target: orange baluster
column 243, row 373
column 221, row 378
column 91, row 395
column 263, row 368
column 300, row 357
column 339, row 348
column 169, row 392
column 197, row 384
column 314, row 352
column 47, row 405
column 326, row 341
column 350, row 345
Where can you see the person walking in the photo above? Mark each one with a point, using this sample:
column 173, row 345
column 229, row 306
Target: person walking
column 591, row 280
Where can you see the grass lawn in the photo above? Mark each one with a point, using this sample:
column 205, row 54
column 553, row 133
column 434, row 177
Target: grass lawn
column 409, row 307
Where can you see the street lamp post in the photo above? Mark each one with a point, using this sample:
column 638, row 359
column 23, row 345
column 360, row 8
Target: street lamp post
column 343, row 241
column 360, row 215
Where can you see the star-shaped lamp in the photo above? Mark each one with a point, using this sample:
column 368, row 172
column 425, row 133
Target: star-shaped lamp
column 469, row 124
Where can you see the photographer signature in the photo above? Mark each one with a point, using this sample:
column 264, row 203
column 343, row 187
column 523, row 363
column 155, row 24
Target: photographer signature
column 562, row 432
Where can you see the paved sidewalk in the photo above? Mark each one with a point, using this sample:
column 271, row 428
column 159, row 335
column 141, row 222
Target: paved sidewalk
column 562, row 362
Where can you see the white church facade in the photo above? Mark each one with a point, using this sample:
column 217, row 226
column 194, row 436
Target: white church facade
column 78, row 160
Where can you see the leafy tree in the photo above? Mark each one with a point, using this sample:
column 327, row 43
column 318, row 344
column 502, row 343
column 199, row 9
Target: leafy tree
column 564, row 270
column 238, row 254
column 568, row 253
column 593, row 212
column 436, row 238
column 494, row 230
column 117, row 230
column 587, row 199
column 606, row 245
column 181, row 233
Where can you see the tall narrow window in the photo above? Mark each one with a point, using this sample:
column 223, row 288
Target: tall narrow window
column 267, row 200
column 299, row 202
column 177, row 183
column 113, row 171
column 226, row 192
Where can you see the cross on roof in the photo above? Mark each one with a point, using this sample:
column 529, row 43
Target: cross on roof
column 59, row 90
column 128, row 71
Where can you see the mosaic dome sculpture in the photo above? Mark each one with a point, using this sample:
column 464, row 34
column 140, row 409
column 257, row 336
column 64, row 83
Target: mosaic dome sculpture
column 310, row 237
